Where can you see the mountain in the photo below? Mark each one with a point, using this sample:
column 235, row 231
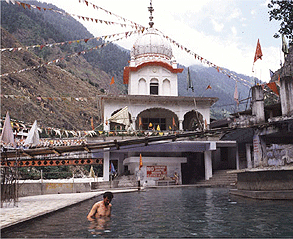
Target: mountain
column 221, row 86
column 63, row 95
column 58, row 86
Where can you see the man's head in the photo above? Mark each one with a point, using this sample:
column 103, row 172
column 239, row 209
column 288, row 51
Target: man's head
column 108, row 196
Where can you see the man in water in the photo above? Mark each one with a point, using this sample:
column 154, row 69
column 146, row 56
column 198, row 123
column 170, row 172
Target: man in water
column 102, row 208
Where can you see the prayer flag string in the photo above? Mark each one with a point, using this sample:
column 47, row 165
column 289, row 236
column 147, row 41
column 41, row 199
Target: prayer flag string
column 30, row 6
column 69, row 56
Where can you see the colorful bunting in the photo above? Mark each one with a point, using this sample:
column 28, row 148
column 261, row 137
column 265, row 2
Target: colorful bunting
column 29, row 6
column 69, row 56
column 42, row 98
column 110, row 13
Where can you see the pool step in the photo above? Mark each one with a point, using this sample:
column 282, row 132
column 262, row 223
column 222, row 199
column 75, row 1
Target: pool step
column 126, row 181
column 220, row 178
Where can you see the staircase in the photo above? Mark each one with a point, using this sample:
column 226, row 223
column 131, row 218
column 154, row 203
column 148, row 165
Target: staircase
column 128, row 181
column 220, row 178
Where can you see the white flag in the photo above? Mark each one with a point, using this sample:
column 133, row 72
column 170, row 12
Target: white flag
column 7, row 132
column 33, row 136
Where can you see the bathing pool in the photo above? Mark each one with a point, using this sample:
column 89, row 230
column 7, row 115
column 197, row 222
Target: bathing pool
column 169, row 212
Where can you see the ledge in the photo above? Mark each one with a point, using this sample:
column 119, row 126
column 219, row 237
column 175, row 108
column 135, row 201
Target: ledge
column 264, row 195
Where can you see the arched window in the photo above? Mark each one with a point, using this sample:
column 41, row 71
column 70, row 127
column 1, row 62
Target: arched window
column 154, row 87
column 142, row 87
column 166, row 87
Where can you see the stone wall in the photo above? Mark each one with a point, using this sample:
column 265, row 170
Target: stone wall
column 280, row 155
column 31, row 189
column 270, row 180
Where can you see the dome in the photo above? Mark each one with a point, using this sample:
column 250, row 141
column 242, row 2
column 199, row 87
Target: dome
column 152, row 42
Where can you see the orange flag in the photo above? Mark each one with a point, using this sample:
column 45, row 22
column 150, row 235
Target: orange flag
column 258, row 52
column 92, row 123
column 112, row 81
column 140, row 162
column 273, row 87
column 174, row 123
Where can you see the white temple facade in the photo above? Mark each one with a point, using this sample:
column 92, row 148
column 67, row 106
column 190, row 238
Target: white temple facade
column 153, row 104
column 153, row 90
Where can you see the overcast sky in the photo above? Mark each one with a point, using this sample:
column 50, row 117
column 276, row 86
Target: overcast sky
column 225, row 32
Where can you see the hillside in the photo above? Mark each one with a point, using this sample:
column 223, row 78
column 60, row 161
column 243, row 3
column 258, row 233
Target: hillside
column 63, row 94
column 72, row 77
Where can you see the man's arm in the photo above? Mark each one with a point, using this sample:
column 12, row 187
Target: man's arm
column 93, row 211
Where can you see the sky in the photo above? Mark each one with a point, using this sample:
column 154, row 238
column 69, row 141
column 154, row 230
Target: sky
column 225, row 32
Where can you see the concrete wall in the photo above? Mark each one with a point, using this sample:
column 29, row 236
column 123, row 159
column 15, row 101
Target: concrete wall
column 30, row 189
column 265, row 180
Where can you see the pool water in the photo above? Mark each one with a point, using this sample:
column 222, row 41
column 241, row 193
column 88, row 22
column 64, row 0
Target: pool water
column 165, row 213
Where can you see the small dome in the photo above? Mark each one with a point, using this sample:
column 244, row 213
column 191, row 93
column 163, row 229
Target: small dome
column 152, row 42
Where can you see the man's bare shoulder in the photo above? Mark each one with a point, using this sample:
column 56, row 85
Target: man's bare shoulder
column 98, row 203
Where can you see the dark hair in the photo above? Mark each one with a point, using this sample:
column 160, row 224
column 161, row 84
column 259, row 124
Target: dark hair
column 108, row 195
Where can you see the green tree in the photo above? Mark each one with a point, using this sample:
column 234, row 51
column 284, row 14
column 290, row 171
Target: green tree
column 282, row 11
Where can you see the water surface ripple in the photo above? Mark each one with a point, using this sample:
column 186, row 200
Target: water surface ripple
column 168, row 213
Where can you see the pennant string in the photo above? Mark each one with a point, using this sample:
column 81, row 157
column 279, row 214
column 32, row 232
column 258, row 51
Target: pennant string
column 65, row 42
column 210, row 64
column 110, row 13
column 69, row 56
column 29, row 6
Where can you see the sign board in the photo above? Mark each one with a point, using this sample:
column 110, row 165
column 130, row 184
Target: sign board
column 156, row 171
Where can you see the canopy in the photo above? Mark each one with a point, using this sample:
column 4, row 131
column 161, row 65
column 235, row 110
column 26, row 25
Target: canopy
column 121, row 117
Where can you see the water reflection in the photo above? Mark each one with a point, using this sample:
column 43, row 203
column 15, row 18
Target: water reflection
column 100, row 226
column 170, row 212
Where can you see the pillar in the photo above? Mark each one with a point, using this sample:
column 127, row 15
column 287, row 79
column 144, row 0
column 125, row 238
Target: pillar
column 106, row 165
column 248, row 156
column 208, row 164
column 258, row 108
column 237, row 158
column 286, row 95
column 133, row 124
column 106, row 126
column 259, row 151
column 181, row 125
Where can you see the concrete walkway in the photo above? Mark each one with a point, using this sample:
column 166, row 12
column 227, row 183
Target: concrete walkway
column 34, row 206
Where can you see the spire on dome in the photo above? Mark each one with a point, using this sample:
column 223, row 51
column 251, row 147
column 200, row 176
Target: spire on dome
column 151, row 9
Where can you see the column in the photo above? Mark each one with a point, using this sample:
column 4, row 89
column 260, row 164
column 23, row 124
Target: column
column 248, row 156
column 133, row 124
column 181, row 125
column 258, row 103
column 237, row 157
column 106, row 165
column 208, row 164
column 259, row 151
column 286, row 95
column 106, row 125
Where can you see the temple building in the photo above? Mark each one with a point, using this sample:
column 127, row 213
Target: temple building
column 153, row 104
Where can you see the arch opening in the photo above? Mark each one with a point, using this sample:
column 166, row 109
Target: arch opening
column 193, row 120
column 150, row 119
